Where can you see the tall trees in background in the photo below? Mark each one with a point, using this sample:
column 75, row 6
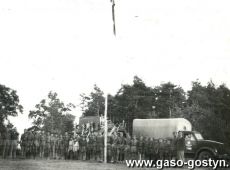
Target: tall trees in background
column 9, row 104
column 206, row 107
column 53, row 115
column 209, row 110
column 93, row 104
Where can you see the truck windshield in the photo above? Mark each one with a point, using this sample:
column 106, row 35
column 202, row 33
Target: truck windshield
column 199, row 136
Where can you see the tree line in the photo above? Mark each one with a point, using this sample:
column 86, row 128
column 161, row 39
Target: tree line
column 207, row 107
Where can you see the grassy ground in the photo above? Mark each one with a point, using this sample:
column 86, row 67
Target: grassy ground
column 63, row 165
column 56, row 165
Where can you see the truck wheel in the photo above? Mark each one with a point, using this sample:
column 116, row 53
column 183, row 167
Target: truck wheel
column 205, row 155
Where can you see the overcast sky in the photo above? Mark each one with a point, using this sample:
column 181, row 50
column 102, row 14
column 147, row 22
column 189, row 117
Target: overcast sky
column 68, row 45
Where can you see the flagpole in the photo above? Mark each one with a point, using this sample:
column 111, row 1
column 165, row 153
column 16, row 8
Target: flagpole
column 113, row 17
column 106, row 128
column 106, row 95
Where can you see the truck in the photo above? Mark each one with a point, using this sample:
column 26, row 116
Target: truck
column 196, row 146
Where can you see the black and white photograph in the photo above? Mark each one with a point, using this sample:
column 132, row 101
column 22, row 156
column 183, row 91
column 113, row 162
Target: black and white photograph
column 114, row 84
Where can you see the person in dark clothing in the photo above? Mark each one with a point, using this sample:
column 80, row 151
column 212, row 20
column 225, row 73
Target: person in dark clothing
column 13, row 144
column 66, row 145
column 180, row 145
column 6, row 143
column 1, row 143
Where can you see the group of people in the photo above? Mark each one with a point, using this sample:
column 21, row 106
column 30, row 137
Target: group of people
column 120, row 146
column 8, row 143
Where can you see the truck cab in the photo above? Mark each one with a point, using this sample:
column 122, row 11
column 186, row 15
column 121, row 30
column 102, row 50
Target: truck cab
column 199, row 148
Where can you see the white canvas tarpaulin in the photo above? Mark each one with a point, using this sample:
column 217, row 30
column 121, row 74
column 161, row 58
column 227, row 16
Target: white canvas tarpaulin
column 160, row 128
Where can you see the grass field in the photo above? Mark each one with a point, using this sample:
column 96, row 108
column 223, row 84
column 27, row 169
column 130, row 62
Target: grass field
column 63, row 165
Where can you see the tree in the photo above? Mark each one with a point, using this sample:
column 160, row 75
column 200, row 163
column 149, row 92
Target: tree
column 93, row 105
column 209, row 109
column 130, row 102
column 52, row 114
column 169, row 100
column 9, row 103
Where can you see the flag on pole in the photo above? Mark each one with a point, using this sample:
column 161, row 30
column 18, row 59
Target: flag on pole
column 113, row 16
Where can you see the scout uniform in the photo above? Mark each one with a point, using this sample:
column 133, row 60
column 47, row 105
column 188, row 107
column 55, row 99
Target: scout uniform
column 76, row 148
column 30, row 139
column 98, row 151
column 14, row 143
column 118, row 147
column 94, row 142
column 114, row 149
column 70, row 149
column 161, row 149
column 36, row 144
column 134, row 143
column 147, row 150
column 140, row 148
column 6, row 143
column 101, row 145
column 42, row 141
column 23, row 143
column 152, row 153
column 53, row 142
column 127, row 148
column 90, row 147
column 48, row 145
column 109, row 148
column 66, row 145
column 60, row 147
column 1, row 141
column 56, row 147
column 82, row 144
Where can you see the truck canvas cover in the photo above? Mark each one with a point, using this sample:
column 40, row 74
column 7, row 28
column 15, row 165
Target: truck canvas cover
column 160, row 128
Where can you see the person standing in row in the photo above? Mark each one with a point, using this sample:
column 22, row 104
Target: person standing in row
column 48, row 145
column 134, row 152
column 180, row 146
column 66, row 145
column 36, row 144
column 140, row 148
column 6, row 143
column 13, row 144
column 127, row 150
column 42, row 141
column 1, row 142
column 23, row 143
